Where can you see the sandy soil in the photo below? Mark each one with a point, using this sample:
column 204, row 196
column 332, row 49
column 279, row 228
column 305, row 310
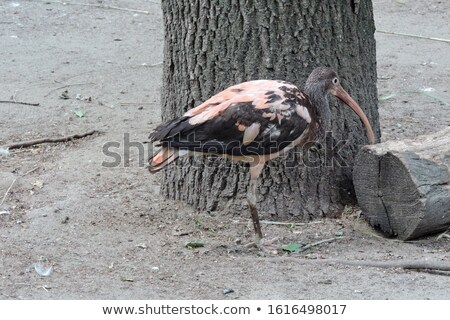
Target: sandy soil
column 108, row 234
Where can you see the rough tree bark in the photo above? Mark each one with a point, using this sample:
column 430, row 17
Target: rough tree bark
column 212, row 44
column 403, row 187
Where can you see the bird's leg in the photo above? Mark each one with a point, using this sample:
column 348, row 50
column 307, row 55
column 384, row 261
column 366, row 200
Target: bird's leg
column 251, row 198
column 255, row 171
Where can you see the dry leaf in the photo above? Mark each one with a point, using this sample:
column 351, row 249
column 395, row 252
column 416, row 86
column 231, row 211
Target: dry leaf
column 38, row 184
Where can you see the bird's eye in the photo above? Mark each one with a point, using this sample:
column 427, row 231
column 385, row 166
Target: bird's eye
column 335, row 80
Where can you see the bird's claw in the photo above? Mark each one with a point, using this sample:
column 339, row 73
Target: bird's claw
column 263, row 244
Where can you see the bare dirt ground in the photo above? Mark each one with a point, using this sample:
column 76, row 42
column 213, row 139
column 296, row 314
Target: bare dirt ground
column 107, row 232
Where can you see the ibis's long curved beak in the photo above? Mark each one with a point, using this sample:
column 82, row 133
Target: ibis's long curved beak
column 339, row 92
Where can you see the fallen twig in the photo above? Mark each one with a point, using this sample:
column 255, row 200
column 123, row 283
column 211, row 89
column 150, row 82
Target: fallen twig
column 7, row 295
column 310, row 245
column 67, row 86
column 146, row 65
column 435, row 98
column 30, row 171
column 135, row 103
column 413, row 36
column 14, row 181
column 418, row 265
column 152, row 65
column 293, row 224
column 99, row 6
column 402, row 264
column 7, row 191
column 19, row 102
column 30, row 143
column 422, row 92
column 444, row 234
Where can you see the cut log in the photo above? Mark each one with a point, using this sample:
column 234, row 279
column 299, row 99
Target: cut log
column 403, row 187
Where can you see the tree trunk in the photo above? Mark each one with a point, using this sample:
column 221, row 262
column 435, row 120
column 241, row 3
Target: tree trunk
column 210, row 45
column 403, row 187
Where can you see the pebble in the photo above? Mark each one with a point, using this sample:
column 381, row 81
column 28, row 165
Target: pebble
column 328, row 281
column 227, row 291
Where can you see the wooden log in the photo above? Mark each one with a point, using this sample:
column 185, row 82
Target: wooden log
column 403, row 187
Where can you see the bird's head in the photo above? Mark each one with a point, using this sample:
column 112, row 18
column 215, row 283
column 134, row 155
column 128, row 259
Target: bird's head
column 324, row 80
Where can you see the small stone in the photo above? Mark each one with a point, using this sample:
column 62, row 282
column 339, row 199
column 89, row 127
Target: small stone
column 227, row 291
column 339, row 233
column 46, row 287
column 328, row 281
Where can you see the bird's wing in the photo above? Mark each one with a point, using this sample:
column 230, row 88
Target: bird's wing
column 252, row 118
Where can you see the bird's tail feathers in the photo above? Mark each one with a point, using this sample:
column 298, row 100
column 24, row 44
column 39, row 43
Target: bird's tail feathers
column 164, row 157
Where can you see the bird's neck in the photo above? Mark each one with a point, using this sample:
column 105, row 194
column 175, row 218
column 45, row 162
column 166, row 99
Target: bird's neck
column 319, row 100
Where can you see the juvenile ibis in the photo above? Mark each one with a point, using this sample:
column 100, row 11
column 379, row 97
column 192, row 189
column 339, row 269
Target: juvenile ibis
column 254, row 122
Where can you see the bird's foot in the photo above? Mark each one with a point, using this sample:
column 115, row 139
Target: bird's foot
column 265, row 245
